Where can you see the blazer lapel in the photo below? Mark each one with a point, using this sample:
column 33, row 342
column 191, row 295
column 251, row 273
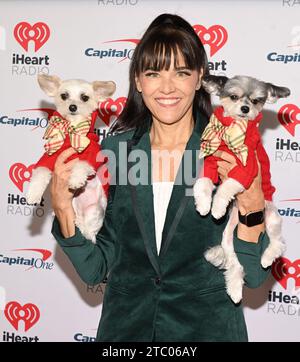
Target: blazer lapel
column 142, row 198
column 142, row 195
column 183, row 186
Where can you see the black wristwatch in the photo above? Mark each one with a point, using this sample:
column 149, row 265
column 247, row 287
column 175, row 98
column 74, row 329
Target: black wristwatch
column 252, row 218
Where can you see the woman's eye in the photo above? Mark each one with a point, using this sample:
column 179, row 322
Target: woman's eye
column 234, row 97
column 184, row 74
column 151, row 74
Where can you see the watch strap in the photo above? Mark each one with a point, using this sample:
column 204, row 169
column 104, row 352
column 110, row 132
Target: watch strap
column 252, row 218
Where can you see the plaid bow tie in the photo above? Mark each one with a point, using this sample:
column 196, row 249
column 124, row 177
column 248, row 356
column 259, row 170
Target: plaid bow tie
column 233, row 135
column 57, row 130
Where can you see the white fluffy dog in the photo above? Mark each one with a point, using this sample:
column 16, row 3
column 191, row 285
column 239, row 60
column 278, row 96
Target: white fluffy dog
column 233, row 128
column 72, row 125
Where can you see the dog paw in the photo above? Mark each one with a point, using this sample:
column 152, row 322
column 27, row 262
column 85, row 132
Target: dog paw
column 77, row 181
column 33, row 197
column 218, row 208
column 203, row 205
column 215, row 256
column 89, row 228
column 266, row 261
column 235, row 291
column 79, row 174
column 234, row 277
column 273, row 251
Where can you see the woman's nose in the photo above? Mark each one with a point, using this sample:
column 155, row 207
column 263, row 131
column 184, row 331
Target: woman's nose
column 167, row 85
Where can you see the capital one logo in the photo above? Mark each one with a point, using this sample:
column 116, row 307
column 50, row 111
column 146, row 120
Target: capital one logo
column 289, row 117
column 45, row 253
column 39, row 263
column 39, row 33
column 28, row 313
column 19, row 173
column 110, row 109
column 215, row 36
column 133, row 41
column 283, row 269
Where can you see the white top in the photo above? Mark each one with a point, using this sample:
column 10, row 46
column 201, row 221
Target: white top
column 161, row 196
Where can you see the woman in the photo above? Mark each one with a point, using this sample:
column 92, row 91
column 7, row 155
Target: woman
column 159, row 286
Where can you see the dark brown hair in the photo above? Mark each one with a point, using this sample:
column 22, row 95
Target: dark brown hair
column 164, row 37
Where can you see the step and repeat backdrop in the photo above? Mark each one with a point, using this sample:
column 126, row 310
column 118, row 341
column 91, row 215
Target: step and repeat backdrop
column 41, row 296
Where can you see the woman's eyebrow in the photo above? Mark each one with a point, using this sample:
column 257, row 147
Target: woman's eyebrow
column 176, row 68
column 182, row 68
column 150, row 68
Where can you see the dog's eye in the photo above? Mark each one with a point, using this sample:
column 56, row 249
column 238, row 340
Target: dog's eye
column 64, row 96
column 84, row 97
column 234, row 97
column 254, row 101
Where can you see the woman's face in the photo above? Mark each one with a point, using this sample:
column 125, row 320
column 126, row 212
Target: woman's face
column 169, row 94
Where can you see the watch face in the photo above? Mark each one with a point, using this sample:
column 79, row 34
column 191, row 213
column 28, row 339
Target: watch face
column 255, row 218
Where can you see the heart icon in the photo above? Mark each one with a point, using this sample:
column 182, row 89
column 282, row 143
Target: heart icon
column 287, row 116
column 39, row 33
column 215, row 36
column 29, row 313
column 110, row 109
column 283, row 269
column 17, row 174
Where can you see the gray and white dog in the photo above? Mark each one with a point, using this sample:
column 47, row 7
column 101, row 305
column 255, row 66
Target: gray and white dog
column 242, row 98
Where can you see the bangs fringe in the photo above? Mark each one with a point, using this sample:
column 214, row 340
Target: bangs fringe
column 157, row 54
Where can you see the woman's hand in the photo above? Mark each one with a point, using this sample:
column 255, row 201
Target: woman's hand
column 249, row 200
column 61, row 195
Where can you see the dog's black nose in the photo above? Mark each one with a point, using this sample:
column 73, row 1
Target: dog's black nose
column 245, row 109
column 73, row 108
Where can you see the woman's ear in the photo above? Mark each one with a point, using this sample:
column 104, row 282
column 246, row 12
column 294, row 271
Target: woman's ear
column 200, row 79
column 138, row 84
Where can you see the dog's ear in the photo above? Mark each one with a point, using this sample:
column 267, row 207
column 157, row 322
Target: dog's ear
column 49, row 84
column 275, row 92
column 104, row 90
column 213, row 84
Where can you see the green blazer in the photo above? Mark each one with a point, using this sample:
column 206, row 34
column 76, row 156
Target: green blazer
column 175, row 295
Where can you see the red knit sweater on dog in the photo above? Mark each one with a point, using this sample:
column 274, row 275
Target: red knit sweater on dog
column 243, row 174
column 91, row 153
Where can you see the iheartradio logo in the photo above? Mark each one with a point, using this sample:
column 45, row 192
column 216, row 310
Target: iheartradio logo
column 216, row 36
column 19, row 173
column 29, row 313
column 39, row 33
column 289, row 117
column 110, row 109
column 283, row 269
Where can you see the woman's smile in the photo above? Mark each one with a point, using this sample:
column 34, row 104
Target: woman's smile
column 168, row 102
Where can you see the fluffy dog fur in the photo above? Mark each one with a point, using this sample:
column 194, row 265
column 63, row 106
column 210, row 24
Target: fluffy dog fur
column 243, row 97
column 76, row 101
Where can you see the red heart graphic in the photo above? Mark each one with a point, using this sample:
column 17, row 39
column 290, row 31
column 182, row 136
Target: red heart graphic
column 39, row 33
column 283, row 269
column 17, row 174
column 216, row 36
column 110, row 109
column 29, row 313
column 287, row 116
